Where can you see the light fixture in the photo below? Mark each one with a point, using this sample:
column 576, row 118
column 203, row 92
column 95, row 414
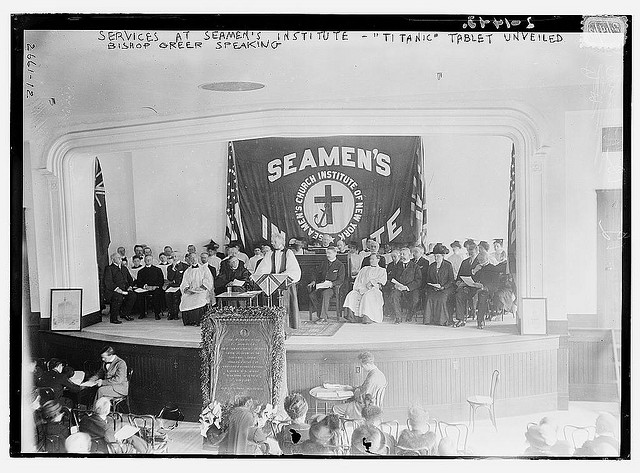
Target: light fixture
column 231, row 86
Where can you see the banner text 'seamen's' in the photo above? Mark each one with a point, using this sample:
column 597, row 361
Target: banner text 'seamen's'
column 369, row 160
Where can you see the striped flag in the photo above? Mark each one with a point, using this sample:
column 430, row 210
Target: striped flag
column 418, row 207
column 234, row 223
column 511, row 227
column 101, row 223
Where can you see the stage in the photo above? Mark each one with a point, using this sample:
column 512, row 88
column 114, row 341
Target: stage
column 437, row 367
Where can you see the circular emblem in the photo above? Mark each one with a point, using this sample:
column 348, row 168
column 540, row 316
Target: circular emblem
column 328, row 206
column 244, row 332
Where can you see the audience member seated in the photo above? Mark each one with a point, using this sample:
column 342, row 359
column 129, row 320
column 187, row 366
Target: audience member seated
column 499, row 254
column 234, row 270
column 111, row 379
column 373, row 382
column 483, row 248
column 244, row 436
column 447, row 447
column 195, row 287
column 324, row 434
column 329, row 277
column 293, row 434
column 342, row 247
column 58, row 382
column 440, row 286
column 374, row 249
column 418, row 436
column 54, row 430
column 355, row 260
column 101, row 430
column 368, row 440
column 365, row 302
column 118, row 285
column 151, row 278
column 543, row 440
column 606, row 441
column 465, row 293
column 405, row 280
column 233, row 249
column 136, row 265
column 175, row 273
column 489, row 281
column 456, row 257
column 296, row 246
column 215, row 258
column 372, row 415
column 253, row 261
column 80, row 443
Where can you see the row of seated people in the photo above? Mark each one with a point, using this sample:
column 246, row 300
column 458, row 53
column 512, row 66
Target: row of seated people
column 410, row 285
column 174, row 285
column 601, row 440
column 60, row 430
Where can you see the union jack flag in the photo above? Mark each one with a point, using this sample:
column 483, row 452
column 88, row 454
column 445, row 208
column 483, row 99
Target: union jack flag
column 511, row 227
column 234, row 229
column 418, row 206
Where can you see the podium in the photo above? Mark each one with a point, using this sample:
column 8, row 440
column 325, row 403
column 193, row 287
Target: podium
column 277, row 284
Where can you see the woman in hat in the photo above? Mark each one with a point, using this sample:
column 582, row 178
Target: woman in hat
column 54, row 430
column 244, row 437
column 293, row 434
column 440, row 285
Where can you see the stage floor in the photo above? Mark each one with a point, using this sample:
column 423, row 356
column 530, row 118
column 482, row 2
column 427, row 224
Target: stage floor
column 172, row 333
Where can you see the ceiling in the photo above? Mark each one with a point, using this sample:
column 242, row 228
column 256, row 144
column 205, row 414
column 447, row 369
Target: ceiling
column 78, row 80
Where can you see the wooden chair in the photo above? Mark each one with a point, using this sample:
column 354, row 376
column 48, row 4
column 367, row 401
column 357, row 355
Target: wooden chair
column 147, row 425
column 458, row 432
column 488, row 402
column 391, row 427
column 578, row 435
column 336, row 295
column 117, row 401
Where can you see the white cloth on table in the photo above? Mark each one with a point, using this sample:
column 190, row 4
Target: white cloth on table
column 293, row 268
column 363, row 300
column 194, row 278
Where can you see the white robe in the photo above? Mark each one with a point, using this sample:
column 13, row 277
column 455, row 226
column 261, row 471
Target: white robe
column 195, row 278
column 364, row 301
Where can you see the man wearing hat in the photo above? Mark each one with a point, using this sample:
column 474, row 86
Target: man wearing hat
column 214, row 257
column 54, row 430
column 440, row 285
column 58, row 382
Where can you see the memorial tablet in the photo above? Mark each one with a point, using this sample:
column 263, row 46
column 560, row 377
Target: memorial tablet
column 243, row 355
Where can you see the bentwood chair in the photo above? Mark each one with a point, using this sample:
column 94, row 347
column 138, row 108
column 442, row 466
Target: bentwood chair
column 458, row 432
column 117, row 401
column 148, row 432
column 391, row 427
column 379, row 396
column 578, row 435
column 488, row 402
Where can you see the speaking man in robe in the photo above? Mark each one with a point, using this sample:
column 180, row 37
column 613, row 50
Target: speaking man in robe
column 283, row 261
column 365, row 301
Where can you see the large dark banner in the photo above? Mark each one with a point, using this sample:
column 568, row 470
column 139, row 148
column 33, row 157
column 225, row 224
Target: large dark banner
column 350, row 187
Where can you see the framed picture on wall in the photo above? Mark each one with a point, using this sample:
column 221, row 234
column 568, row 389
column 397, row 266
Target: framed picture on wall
column 66, row 309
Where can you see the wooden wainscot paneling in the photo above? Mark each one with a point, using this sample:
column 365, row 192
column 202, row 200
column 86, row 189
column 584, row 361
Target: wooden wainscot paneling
column 591, row 366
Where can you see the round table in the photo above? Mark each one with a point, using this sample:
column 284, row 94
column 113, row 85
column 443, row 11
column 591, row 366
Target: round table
column 322, row 394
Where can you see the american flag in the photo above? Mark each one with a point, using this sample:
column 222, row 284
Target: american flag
column 234, row 223
column 511, row 227
column 417, row 194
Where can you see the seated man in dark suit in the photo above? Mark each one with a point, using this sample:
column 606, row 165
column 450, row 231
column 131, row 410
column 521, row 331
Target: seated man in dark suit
column 151, row 278
column 101, row 431
column 329, row 277
column 488, row 278
column 233, row 270
column 175, row 271
column 465, row 293
column 406, row 280
column 118, row 285
column 58, row 382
